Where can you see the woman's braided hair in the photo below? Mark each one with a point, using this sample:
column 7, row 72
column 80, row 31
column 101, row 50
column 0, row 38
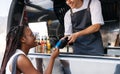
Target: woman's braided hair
column 13, row 42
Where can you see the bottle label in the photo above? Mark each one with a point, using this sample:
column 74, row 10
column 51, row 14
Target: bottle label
column 58, row 44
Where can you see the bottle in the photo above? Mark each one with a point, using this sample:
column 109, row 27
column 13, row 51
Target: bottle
column 48, row 46
column 62, row 43
column 37, row 48
column 42, row 45
column 45, row 44
column 117, row 41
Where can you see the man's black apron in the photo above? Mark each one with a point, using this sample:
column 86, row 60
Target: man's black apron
column 88, row 44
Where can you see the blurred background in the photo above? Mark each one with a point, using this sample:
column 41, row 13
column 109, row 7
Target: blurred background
column 4, row 8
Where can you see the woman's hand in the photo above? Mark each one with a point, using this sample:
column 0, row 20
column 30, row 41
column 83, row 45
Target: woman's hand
column 55, row 53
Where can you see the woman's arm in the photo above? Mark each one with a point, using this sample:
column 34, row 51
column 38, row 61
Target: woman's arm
column 25, row 65
column 51, row 61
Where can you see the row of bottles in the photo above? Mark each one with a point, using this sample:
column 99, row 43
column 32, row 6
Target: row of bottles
column 43, row 44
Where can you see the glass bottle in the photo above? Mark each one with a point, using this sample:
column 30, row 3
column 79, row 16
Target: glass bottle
column 62, row 43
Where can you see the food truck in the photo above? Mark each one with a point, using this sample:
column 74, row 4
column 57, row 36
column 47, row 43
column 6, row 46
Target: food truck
column 46, row 19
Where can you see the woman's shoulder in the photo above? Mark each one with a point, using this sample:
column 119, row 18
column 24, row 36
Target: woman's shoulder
column 8, row 66
column 22, row 59
column 24, row 64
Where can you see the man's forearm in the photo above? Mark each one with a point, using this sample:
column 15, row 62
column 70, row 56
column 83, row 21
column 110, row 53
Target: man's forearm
column 89, row 30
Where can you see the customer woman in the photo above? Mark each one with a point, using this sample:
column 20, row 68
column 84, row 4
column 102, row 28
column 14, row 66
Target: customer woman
column 19, row 41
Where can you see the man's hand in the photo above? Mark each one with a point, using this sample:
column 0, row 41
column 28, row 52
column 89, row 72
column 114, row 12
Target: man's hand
column 73, row 37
